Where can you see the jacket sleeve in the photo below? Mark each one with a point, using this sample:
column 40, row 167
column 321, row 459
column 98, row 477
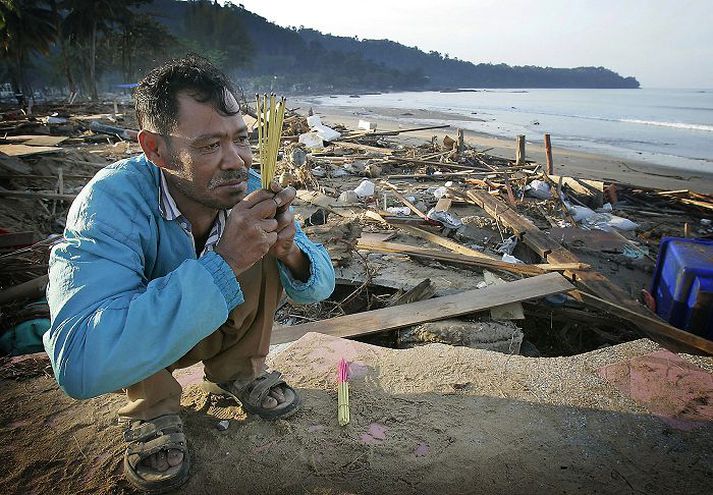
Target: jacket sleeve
column 111, row 327
column 320, row 283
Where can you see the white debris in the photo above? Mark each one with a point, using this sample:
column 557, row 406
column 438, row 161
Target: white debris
column 312, row 140
column 365, row 189
column 538, row 189
column 399, row 210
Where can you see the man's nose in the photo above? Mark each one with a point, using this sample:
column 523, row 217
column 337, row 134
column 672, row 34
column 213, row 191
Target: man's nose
column 236, row 157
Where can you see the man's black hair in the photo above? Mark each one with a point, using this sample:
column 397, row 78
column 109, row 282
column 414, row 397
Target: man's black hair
column 155, row 96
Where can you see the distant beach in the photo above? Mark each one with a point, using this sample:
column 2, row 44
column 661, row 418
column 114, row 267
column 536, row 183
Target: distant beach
column 642, row 153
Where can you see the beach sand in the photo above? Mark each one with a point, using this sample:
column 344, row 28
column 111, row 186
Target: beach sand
column 566, row 162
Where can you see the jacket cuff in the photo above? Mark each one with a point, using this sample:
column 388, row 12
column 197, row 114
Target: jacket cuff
column 290, row 283
column 224, row 278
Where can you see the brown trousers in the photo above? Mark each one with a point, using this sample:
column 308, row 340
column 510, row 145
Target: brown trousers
column 236, row 350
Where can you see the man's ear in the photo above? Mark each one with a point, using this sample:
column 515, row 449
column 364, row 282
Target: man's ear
column 155, row 148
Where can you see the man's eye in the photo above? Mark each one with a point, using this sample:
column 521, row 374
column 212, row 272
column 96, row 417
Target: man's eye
column 210, row 147
column 242, row 141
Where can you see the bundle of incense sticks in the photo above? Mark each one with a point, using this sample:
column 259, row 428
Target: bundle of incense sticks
column 343, row 393
column 270, row 115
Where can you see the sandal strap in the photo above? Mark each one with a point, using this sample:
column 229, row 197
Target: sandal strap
column 164, row 442
column 263, row 384
column 156, row 427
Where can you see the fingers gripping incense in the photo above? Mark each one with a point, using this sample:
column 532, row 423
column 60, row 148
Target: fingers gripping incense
column 270, row 115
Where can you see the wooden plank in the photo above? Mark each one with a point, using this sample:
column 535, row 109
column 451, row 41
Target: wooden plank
column 527, row 231
column 24, row 150
column 444, row 204
column 438, row 308
column 419, row 252
column 362, row 147
column 653, row 326
column 445, row 242
column 37, row 139
column 395, row 132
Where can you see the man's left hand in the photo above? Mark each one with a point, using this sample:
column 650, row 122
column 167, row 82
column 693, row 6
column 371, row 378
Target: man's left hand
column 284, row 248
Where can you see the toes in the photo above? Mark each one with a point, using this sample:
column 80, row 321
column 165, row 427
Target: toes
column 269, row 402
column 174, row 457
column 152, row 462
column 161, row 462
column 278, row 394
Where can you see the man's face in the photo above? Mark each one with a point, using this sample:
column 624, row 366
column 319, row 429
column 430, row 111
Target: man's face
column 210, row 154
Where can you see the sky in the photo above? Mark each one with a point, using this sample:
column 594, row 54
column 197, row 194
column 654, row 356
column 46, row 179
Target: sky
column 663, row 43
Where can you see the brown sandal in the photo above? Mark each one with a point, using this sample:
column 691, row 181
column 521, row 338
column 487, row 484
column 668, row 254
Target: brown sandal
column 146, row 438
column 251, row 395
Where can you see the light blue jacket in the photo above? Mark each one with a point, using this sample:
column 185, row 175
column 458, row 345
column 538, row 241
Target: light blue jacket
column 127, row 295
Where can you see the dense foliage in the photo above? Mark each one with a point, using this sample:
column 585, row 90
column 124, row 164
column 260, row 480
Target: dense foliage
column 75, row 44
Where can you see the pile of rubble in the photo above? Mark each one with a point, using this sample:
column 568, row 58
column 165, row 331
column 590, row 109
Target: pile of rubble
column 472, row 241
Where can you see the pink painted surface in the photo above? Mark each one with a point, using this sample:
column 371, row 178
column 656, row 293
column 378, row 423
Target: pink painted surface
column 376, row 433
column 422, row 450
column 678, row 392
column 189, row 376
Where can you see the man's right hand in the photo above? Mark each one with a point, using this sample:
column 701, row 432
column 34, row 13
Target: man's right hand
column 250, row 231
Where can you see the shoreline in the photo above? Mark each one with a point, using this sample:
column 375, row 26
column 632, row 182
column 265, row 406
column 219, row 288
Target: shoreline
column 576, row 163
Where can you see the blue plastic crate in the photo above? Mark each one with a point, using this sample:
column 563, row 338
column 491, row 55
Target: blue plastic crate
column 683, row 284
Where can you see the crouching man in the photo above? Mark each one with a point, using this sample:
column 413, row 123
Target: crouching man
column 174, row 257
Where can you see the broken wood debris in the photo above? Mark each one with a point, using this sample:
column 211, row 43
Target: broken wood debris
column 433, row 309
column 505, row 227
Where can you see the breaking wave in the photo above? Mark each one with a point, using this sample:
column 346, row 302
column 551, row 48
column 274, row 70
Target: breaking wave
column 677, row 125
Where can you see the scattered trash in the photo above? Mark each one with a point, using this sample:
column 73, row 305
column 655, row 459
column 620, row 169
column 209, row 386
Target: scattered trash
column 445, row 218
column 607, row 221
column 440, row 192
column 365, row 189
column 508, row 258
column 95, row 126
column 538, row 189
column 507, row 246
column 366, row 125
column 399, row 210
column 323, row 131
column 348, row 197
column 312, row 140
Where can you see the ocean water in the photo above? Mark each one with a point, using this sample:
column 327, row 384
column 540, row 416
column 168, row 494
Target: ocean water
column 670, row 127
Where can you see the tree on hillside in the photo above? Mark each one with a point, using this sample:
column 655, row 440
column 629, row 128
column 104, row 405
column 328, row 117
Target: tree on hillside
column 26, row 27
column 218, row 32
column 139, row 44
column 86, row 19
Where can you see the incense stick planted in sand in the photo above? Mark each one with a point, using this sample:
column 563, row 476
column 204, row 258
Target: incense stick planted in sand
column 343, row 393
column 270, row 115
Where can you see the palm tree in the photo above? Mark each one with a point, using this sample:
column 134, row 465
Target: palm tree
column 26, row 27
column 87, row 18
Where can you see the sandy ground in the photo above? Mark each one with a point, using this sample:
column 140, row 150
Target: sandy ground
column 434, row 419
column 567, row 162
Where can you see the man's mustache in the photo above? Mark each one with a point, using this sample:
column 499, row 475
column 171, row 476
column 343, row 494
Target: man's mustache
column 228, row 176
